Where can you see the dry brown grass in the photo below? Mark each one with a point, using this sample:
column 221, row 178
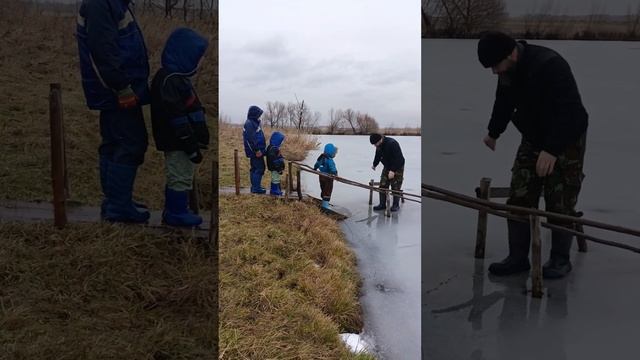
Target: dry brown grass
column 104, row 291
column 38, row 50
column 295, row 147
column 288, row 283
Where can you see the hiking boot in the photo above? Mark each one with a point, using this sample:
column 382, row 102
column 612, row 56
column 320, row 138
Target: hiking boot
column 559, row 264
column 518, row 259
column 383, row 202
column 396, row 204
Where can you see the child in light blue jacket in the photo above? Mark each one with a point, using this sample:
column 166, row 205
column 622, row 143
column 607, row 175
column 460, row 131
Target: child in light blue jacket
column 325, row 164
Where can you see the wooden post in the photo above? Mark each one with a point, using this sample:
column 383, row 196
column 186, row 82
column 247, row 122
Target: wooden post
column 481, row 234
column 371, row 193
column 213, row 221
column 194, row 204
column 289, row 181
column 582, row 242
column 236, row 168
column 536, row 257
column 387, row 210
column 58, row 173
column 298, row 182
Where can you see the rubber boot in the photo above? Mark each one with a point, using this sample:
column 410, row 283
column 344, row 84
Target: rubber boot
column 325, row 205
column 559, row 264
column 396, row 204
column 104, row 184
column 383, row 202
column 119, row 186
column 275, row 190
column 256, row 187
column 176, row 211
column 518, row 259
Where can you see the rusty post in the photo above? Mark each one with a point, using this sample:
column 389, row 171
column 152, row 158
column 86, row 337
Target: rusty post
column 298, row 183
column 194, row 203
column 236, row 168
column 481, row 233
column 371, row 193
column 536, row 257
column 58, row 166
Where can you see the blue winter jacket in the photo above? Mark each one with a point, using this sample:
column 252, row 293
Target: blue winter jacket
column 325, row 161
column 275, row 160
column 252, row 134
column 112, row 53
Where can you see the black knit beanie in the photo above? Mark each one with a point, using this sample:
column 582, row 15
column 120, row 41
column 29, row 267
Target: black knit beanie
column 493, row 47
column 374, row 138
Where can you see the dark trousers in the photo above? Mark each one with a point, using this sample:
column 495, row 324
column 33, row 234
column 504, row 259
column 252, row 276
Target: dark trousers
column 326, row 188
column 124, row 136
column 256, row 171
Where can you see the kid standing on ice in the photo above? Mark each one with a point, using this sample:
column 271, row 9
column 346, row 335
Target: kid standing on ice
column 275, row 162
column 325, row 164
column 179, row 125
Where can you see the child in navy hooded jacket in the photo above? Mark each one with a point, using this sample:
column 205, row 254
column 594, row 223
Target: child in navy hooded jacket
column 325, row 164
column 275, row 161
column 179, row 124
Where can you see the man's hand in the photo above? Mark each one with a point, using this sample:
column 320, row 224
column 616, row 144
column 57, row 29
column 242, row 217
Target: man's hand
column 258, row 154
column 373, row 167
column 391, row 175
column 545, row 164
column 127, row 99
column 490, row 142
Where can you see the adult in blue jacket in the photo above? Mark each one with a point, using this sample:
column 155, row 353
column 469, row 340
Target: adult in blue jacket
column 254, row 148
column 115, row 71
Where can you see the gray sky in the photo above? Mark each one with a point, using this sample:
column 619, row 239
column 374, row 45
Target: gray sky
column 572, row 7
column 359, row 54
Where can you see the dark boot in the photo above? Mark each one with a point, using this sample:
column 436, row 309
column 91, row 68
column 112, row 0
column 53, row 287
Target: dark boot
column 176, row 211
column 558, row 265
column 518, row 259
column 396, row 204
column 383, row 202
column 120, row 207
column 256, row 186
column 275, row 189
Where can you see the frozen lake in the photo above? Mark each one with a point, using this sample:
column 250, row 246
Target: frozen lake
column 387, row 249
column 592, row 314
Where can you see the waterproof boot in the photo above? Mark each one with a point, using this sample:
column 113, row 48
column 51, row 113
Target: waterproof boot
column 396, row 204
column 383, row 202
column 518, row 259
column 104, row 184
column 325, row 205
column 256, row 187
column 275, row 190
column 119, row 185
column 558, row 265
column 176, row 211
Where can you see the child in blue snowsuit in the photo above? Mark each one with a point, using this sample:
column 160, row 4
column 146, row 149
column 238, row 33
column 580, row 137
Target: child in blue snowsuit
column 254, row 148
column 325, row 164
column 275, row 161
column 178, row 120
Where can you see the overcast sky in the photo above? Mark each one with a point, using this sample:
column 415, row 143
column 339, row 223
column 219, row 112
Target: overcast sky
column 359, row 54
column 572, row 7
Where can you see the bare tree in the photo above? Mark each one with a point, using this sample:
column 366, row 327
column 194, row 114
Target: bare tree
column 366, row 124
column 465, row 17
column 350, row 117
column 335, row 120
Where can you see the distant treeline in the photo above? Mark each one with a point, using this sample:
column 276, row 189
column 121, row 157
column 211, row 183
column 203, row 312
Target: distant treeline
column 450, row 19
column 407, row 131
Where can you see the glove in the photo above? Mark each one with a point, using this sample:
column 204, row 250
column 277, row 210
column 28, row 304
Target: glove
column 196, row 157
column 258, row 154
column 127, row 99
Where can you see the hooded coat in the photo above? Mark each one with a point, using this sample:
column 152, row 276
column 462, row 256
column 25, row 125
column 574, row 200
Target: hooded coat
column 275, row 160
column 390, row 154
column 325, row 162
column 177, row 115
column 252, row 134
column 112, row 53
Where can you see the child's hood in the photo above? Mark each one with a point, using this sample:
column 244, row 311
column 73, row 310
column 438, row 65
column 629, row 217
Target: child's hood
column 254, row 113
column 276, row 139
column 330, row 150
column 183, row 51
